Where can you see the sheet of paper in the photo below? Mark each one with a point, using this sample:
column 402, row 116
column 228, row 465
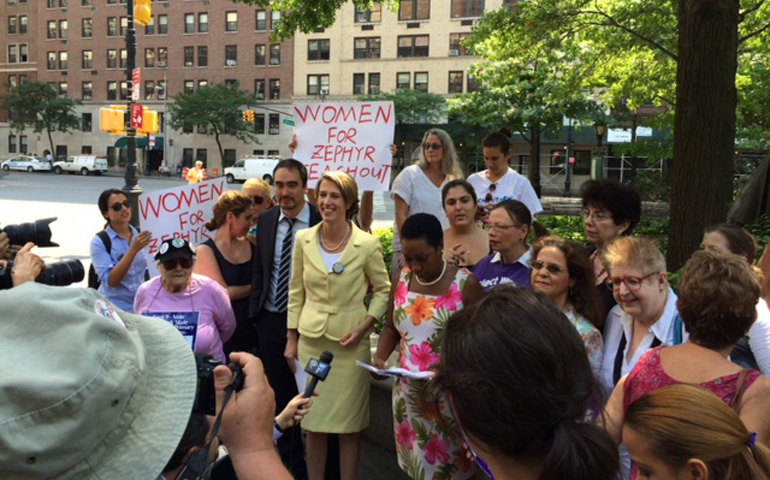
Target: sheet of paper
column 396, row 372
column 300, row 376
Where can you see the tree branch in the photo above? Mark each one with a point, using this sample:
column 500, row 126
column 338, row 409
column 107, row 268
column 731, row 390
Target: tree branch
column 745, row 13
column 754, row 33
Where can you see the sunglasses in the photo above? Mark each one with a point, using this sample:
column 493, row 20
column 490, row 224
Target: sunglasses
column 432, row 146
column 257, row 200
column 553, row 269
column 117, row 206
column 183, row 262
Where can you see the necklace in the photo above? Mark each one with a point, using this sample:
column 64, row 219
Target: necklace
column 336, row 247
column 433, row 282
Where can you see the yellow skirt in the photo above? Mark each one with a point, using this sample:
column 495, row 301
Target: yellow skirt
column 342, row 404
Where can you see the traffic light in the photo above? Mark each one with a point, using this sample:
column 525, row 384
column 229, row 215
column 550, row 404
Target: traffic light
column 112, row 120
column 142, row 12
column 248, row 116
column 149, row 123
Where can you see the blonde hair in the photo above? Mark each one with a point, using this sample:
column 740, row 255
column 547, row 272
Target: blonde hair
column 229, row 202
column 347, row 187
column 258, row 183
column 450, row 163
column 639, row 253
column 681, row 422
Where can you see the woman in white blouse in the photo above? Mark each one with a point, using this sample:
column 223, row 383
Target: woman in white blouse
column 417, row 189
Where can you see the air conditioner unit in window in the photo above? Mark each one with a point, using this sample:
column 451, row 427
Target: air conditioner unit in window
column 230, row 63
column 275, row 61
column 161, row 63
column 324, row 91
column 454, row 52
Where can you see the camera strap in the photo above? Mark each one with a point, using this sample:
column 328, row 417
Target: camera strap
column 198, row 467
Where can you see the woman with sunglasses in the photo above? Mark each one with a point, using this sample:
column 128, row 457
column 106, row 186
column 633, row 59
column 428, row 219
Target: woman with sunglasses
column 509, row 225
column 500, row 182
column 262, row 198
column 121, row 268
column 198, row 306
column 226, row 259
column 562, row 271
column 417, row 189
column 516, row 376
column 465, row 243
column 718, row 294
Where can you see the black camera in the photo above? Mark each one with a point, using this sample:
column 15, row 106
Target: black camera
column 37, row 232
column 59, row 274
column 205, row 397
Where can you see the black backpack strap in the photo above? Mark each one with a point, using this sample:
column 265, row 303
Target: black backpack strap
column 105, row 238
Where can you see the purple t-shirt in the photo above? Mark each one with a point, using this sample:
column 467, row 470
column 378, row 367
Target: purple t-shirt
column 491, row 271
column 216, row 322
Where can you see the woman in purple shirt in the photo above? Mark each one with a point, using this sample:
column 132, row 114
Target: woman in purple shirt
column 196, row 305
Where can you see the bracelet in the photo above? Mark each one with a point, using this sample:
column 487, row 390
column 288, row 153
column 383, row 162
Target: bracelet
column 278, row 427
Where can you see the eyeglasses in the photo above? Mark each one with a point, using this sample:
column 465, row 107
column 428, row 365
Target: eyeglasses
column 503, row 228
column 257, row 200
column 183, row 262
column 632, row 283
column 432, row 146
column 552, row 269
column 117, row 206
column 492, row 188
column 598, row 217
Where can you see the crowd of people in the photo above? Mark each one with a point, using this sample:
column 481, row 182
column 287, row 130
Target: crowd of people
column 542, row 358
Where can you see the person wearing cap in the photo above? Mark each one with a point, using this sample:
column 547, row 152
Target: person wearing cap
column 198, row 306
column 102, row 393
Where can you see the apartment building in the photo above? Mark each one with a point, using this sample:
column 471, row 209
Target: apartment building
column 78, row 46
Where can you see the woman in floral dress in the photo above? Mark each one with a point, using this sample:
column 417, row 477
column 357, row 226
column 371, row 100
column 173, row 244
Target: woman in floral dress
column 427, row 293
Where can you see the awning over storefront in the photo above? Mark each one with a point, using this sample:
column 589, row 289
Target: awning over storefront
column 141, row 142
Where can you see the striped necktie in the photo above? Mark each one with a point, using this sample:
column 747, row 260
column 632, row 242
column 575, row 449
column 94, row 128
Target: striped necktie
column 282, row 287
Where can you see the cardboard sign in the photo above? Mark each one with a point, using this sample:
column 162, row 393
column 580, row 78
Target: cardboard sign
column 179, row 212
column 185, row 322
column 351, row 136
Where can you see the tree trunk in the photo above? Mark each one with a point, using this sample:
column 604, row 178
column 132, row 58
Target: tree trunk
column 50, row 142
column 534, row 159
column 221, row 152
column 704, row 123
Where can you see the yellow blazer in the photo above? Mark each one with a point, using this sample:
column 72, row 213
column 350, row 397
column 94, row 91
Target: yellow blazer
column 326, row 304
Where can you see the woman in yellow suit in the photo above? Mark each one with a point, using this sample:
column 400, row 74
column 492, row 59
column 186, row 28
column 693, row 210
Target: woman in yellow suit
column 333, row 265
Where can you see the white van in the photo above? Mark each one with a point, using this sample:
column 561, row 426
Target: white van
column 83, row 164
column 252, row 167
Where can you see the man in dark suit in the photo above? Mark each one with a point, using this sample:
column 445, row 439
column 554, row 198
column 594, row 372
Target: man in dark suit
column 269, row 291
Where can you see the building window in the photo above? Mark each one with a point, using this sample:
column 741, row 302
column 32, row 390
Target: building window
column 112, row 90
column 13, row 52
column 63, row 89
column 86, row 122
column 202, row 84
column 163, row 57
column 88, row 59
column 162, row 90
column 11, row 143
column 421, row 81
column 372, row 15
column 260, row 55
column 112, row 27
column 124, row 91
column 318, row 49
column 229, row 158
column 203, row 56
column 22, row 78
column 275, row 89
column 231, row 55
column 149, row 29
column 123, row 26
column 467, row 8
column 23, row 22
column 203, row 22
column 22, row 144
column 86, row 150
column 189, row 23
column 23, row 53
column 472, row 85
column 259, row 89
column 318, row 85
column 456, row 82
column 187, row 157
column 112, row 58
column 201, row 155
column 359, row 80
column 162, row 24
column 366, row 47
column 275, row 54
column 231, row 22
column 11, row 81
column 413, row 46
column 87, row 90
column 86, row 27
column 275, row 19
column 261, row 20
column 403, row 81
column 123, row 58
column 51, row 65
column 414, row 10
column 51, row 29
column 149, row 90
column 274, row 124
column 62, row 60
column 189, row 86
column 259, row 123
column 374, row 84
column 455, row 44
column 11, row 25
column 62, row 28
column 189, row 56
column 149, row 57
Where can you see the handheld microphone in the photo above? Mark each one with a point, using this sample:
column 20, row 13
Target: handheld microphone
column 319, row 370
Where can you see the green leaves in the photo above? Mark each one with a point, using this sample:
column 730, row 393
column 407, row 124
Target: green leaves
column 37, row 105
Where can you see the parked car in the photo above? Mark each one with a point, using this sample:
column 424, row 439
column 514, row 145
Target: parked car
column 83, row 164
column 256, row 167
column 26, row 162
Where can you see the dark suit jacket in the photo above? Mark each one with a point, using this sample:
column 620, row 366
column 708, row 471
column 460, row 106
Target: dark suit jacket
column 267, row 227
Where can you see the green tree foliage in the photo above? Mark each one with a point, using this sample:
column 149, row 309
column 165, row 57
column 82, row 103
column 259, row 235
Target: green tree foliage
column 217, row 108
column 37, row 105
column 414, row 106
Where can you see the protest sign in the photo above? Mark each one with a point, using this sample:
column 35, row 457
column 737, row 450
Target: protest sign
column 179, row 212
column 351, row 136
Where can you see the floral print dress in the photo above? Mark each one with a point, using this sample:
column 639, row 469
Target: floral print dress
column 427, row 447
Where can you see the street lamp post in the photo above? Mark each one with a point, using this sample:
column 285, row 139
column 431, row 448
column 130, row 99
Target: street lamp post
column 131, row 188
column 568, row 162
column 164, row 91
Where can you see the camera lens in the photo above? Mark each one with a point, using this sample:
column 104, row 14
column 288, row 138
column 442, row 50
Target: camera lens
column 37, row 232
column 61, row 274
